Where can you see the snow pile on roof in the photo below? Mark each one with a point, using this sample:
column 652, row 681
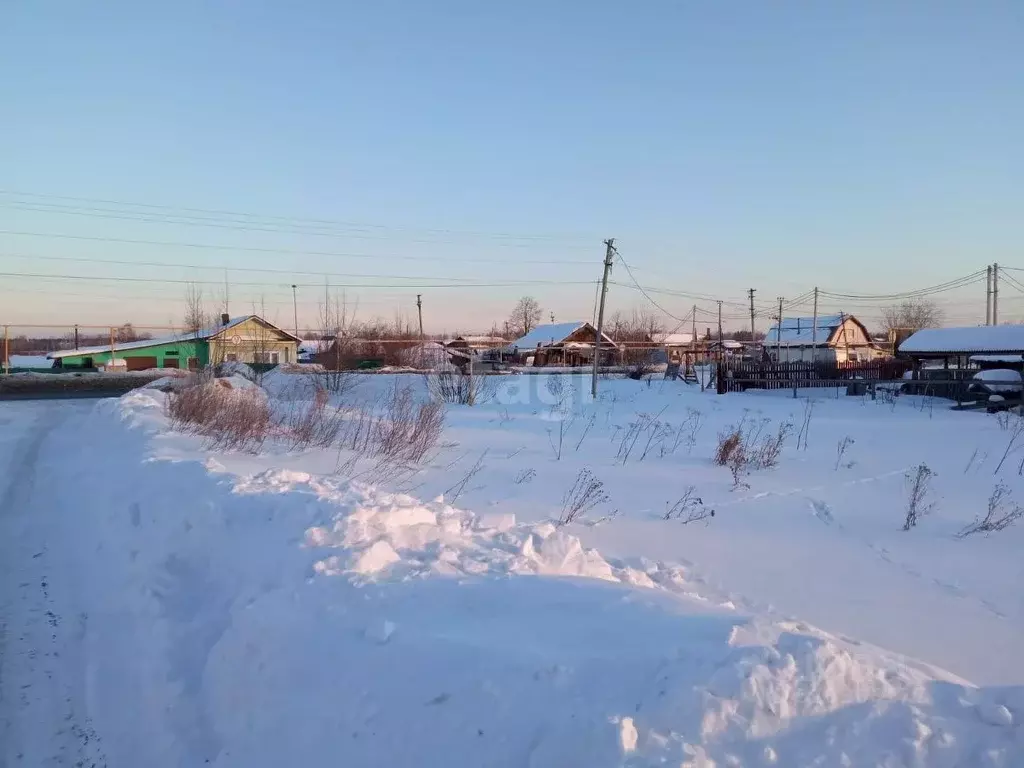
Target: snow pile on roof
column 552, row 333
column 670, row 339
column 800, row 331
column 983, row 338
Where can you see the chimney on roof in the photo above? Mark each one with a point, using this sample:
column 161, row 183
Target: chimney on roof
column 225, row 318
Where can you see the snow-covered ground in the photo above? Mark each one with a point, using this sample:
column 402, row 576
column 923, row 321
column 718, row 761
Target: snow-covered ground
column 164, row 604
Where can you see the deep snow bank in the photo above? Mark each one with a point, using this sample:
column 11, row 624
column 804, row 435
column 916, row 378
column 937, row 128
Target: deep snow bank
column 281, row 618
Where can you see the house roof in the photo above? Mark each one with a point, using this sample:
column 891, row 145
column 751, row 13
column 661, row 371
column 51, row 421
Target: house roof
column 800, row 331
column 552, row 333
column 669, row 339
column 203, row 334
column 984, row 338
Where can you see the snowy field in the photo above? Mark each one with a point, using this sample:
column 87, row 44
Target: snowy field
column 168, row 604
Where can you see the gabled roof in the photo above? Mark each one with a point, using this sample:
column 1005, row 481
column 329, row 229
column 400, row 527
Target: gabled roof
column 984, row 338
column 203, row 334
column 670, row 339
column 552, row 333
column 800, row 331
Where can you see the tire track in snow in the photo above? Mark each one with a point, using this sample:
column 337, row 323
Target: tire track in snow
column 41, row 706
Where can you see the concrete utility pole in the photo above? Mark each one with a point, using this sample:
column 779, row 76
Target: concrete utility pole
column 778, row 334
column 995, row 294
column 814, row 329
column 988, row 295
column 750, row 293
column 295, row 311
column 609, row 252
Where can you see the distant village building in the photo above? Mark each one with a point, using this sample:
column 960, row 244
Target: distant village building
column 247, row 339
column 833, row 338
column 564, row 344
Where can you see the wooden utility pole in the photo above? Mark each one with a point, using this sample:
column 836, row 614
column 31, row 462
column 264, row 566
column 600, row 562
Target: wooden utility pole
column 750, row 293
column 419, row 312
column 295, row 310
column 814, row 329
column 227, row 296
column 721, row 347
column 112, row 332
column 7, row 349
column 778, row 334
column 609, row 252
column 995, row 294
column 988, row 295
column 693, row 339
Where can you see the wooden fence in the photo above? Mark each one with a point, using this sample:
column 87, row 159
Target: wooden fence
column 739, row 376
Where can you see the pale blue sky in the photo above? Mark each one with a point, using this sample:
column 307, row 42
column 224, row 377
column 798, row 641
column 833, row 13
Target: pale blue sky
column 862, row 146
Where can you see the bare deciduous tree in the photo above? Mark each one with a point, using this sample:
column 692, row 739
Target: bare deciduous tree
column 525, row 316
column 195, row 316
column 911, row 315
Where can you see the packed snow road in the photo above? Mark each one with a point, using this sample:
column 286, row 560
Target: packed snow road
column 44, row 717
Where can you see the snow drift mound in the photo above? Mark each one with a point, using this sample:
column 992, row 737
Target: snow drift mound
column 437, row 644
column 294, row 619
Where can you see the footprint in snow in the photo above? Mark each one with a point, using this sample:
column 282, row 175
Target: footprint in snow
column 822, row 511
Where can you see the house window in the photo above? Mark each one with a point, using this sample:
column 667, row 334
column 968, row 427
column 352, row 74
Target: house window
column 271, row 358
column 231, row 358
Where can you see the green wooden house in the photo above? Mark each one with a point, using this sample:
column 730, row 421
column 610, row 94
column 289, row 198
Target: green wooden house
column 247, row 339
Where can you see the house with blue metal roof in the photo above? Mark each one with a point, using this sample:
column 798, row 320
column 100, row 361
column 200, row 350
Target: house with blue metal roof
column 838, row 338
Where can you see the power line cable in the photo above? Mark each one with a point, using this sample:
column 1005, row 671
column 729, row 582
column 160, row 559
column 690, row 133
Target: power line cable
column 288, row 251
column 300, row 285
column 640, row 288
column 222, row 213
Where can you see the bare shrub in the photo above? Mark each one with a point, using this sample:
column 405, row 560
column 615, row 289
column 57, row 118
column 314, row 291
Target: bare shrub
column 688, row 508
column 228, row 419
column 646, row 424
column 805, row 425
column 460, row 486
column 841, row 449
column 1002, row 512
column 918, row 492
column 1016, row 430
column 1005, row 418
column 585, row 494
column 458, row 388
column 728, row 443
column 586, row 429
column 407, row 430
column 395, row 428
column 691, row 426
column 746, row 446
column 316, row 424
column 525, row 476
column 768, row 450
column 564, row 423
